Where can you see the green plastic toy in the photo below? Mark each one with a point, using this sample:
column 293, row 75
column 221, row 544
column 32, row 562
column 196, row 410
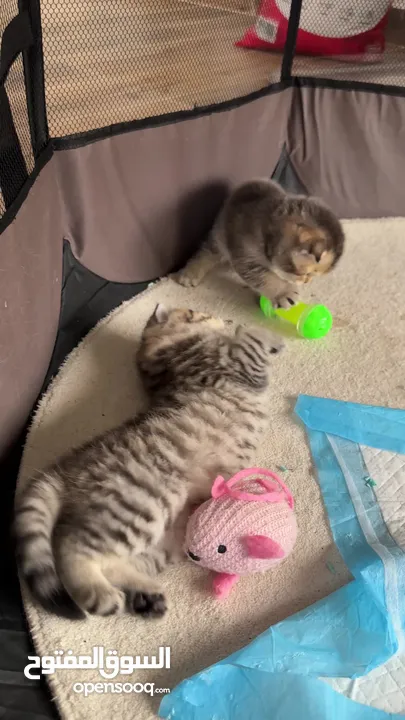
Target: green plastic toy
column 311, row 321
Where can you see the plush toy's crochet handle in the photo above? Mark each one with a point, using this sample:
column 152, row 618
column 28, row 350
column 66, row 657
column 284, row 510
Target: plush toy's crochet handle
column 223, row 584
column 223, row 487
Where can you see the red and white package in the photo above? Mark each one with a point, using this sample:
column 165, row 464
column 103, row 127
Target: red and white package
column 348, row 29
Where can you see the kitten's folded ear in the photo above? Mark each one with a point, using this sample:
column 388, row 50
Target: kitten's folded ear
column 161, row 314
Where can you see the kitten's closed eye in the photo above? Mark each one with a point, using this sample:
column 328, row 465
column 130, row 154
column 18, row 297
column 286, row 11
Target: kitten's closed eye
column 316, row 254
column 276, row 347
column 275, row 344
column 314, row 261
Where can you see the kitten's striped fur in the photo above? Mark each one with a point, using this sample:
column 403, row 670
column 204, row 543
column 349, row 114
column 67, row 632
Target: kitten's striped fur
column 98, row 526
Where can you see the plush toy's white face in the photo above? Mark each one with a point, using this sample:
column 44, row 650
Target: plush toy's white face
column 337, row 18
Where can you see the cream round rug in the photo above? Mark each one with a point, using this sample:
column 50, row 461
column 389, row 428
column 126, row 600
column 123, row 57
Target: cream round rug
column 98, row 387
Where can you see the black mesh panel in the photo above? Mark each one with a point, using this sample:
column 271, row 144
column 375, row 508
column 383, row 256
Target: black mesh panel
column 15, row 87
column 9, row 9
column 15, row 165
column 333, row 19
column 114, row 61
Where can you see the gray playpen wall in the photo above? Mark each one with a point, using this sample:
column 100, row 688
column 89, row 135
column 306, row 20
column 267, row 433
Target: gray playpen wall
column 134, row 195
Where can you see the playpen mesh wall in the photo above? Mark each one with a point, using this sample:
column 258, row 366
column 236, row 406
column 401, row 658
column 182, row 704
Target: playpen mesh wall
column 74, row 68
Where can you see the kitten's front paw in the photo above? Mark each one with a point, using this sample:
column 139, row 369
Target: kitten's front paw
column 102, row 600
column 187, row 277
column 147, row 604
column 287, row 300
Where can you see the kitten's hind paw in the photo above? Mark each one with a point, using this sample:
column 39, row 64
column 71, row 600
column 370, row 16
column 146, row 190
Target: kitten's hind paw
column 102, row 600
column 147, row 604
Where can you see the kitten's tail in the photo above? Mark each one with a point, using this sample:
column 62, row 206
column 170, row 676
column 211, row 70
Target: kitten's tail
column 36, row 513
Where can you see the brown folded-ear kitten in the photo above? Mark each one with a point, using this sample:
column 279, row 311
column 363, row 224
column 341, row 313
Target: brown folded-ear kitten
column 275, row 241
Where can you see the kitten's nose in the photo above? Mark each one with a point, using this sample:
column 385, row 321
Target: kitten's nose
column 192, row 556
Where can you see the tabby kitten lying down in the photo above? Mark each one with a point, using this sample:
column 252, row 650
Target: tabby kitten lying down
column 274, row 241
column 95, row 529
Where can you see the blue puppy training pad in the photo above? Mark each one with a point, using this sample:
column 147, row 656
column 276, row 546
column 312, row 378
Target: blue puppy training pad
column 281, row 674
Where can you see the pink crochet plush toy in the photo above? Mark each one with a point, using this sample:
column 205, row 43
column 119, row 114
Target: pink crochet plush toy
column 248, row 525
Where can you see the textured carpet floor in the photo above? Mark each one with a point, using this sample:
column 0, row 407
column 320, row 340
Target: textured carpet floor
column 361, row 360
